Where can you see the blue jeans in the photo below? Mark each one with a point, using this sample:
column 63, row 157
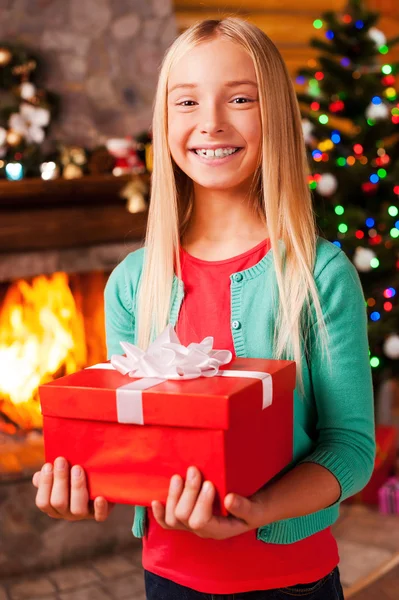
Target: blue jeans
column 326, row 588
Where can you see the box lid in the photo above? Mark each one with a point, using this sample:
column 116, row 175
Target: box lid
column 206, row 402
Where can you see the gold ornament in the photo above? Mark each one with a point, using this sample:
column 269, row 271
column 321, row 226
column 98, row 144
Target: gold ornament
column 13, row 138
column 72, row 171
column 135, row 192
column 5, row 56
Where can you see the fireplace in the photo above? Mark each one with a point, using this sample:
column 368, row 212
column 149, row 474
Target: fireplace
column 57, row 249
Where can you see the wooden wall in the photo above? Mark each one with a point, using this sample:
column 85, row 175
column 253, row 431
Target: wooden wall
column 289, row 26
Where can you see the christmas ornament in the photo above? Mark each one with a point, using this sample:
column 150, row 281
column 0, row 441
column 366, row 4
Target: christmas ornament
column 377, row 112
column 391, row 346
column 14, row 171
column 14, row 138
column 377, row 36
column 135, row 192
column 327, row 184
column 307, row 129
column 72, row 171
column 5, row 57
column 49, row 170
column 29, row 122
column 27, row 90
column 73, row 159
column 127, row 160
column 362, row 259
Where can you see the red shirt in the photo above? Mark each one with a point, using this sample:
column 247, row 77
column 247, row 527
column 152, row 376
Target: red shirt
column 241, row 563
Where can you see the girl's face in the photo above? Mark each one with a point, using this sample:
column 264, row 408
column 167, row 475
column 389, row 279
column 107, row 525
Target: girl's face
column 214, row 119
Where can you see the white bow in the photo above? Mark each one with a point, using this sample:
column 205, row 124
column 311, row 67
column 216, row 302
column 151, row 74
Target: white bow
column 167, row 358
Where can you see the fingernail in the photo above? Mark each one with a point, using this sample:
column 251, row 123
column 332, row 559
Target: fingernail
column 47, row 468
column 207, row 487
column 175, row 481
column 60, row 464
column 76, row 472
column 191, row 474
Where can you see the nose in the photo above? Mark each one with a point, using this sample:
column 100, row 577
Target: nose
column 212, row 121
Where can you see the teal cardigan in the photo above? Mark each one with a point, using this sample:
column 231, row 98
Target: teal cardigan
column 334, row 418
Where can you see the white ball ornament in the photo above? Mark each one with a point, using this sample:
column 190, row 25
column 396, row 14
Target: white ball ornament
column 362, row 259
column 377, row 112
column 391, row 346
column 327, row 184
column 307, row 129
column 377, row 36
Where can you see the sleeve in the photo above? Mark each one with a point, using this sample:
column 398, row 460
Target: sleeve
column 343, row 390
column 119, row 315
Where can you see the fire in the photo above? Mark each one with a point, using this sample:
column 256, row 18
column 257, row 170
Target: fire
column 42, row 336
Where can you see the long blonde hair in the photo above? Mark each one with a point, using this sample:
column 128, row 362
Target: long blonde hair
column 282, row 196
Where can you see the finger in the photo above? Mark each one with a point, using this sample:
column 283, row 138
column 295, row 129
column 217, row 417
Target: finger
column 158, row 510
column 202, row 512
column 240, row 507
column 175, row 490
column 189, row 496
column 59, row 498
column 79, row 506
column 44, row 490
column 36, row 479
column 101, row 509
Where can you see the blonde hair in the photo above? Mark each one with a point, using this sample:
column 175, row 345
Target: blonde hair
column 282, row 196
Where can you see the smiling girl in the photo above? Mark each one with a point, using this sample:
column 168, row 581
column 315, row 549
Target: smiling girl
column 232, row 251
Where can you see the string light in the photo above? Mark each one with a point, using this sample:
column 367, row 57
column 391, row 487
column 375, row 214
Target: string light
column 318, row 24
column 386, row 69
column 345, row 62
column 359, row 234
column 394, row 233
column 375, row 316
column 374, row 178
column 358, row 149
column 330, row 34
column 335, row 137
column 389, row 292
column 388, row 306
column 374, row 361
column 370, row 222
column 376, row 100
column 341, row 162
column 339, row 210
column 393, row 211
column 359, row 24
column 382, row 173
column 319, row 75
column 371, row 302
column 342, row 228
column 383, row 49
column 315, row 106
column 323, row 119
column 374, row 263
column 14, row 171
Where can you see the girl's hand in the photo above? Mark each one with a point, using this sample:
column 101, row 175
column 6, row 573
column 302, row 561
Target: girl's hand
column 62, row 493
column 189, row 507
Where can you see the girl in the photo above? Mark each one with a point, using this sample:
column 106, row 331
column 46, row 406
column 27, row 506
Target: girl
column 232, row 251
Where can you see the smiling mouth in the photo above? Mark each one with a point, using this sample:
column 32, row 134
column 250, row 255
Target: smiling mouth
column 217, row 153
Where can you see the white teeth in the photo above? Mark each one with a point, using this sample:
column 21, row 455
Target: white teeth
column 218, row 153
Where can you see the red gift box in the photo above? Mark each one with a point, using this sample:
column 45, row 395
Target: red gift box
column 237, row 429
column 384, row 467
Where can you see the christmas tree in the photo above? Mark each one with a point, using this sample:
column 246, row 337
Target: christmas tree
column 350, row 122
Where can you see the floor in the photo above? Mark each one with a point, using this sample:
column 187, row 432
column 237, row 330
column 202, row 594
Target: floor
column 368, row 543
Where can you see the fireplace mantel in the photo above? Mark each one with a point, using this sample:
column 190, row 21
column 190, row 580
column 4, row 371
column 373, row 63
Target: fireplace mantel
column 37, row 215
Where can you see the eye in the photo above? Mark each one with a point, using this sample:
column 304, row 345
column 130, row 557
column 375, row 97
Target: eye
column 186, row 103
column 241, row 100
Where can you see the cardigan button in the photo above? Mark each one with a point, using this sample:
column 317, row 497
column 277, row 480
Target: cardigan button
column 236, row 324
column 238, row 277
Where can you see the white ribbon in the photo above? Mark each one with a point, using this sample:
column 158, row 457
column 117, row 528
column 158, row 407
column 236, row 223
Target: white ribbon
column 166, row 358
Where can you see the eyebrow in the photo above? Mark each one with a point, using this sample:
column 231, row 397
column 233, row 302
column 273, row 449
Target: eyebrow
column 227, row 84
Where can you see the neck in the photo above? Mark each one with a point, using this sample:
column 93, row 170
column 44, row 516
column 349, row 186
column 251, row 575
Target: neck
column 223, row 224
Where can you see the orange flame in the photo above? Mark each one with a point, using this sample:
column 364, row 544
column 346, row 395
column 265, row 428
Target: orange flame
column 41, row 336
